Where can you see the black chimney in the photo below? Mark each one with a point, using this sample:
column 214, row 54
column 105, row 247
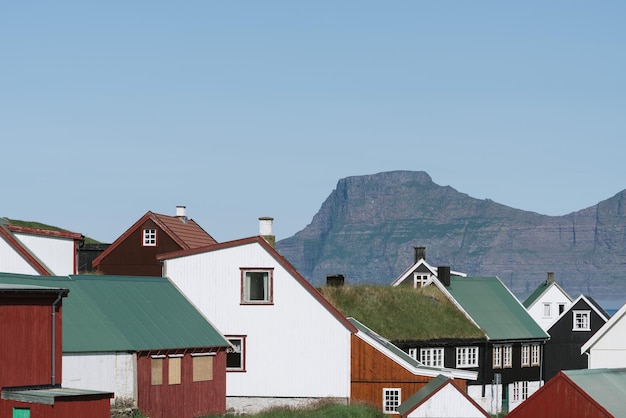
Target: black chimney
column 420, row 253
column 335, row 280
column 443, row 274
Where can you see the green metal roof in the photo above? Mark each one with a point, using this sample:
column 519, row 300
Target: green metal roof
column 606, row 386
column 48, row 396
column 422, row 394
column 535, row 294
column 125, row 313
column 494, row 308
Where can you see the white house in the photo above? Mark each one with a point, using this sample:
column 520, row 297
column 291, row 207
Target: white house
column 607, row 347
column 292, row 346
column 547, row 302
column 45, row 252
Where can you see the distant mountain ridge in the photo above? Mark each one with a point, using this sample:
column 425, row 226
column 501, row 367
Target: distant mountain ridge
column 367, row 228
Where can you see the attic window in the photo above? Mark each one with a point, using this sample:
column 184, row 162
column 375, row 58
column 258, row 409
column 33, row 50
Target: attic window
column 582, row 321
column 149, row 237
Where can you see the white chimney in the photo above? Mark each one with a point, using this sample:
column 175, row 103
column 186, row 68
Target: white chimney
column 181, row 212
column 265, row 229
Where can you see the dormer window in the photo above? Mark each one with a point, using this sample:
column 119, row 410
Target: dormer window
column 256, row 286
column 149, row 237
column 420, row 280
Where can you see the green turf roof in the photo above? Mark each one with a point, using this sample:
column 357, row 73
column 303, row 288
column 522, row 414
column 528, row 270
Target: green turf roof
column 122, row 313
column 605, row 386
column 494, row 308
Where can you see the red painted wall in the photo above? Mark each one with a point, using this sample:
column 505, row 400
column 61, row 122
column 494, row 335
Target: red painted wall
column 26, row 330
column 66, row 408
column 188, row 399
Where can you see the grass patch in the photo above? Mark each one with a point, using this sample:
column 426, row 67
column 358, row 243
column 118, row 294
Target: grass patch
column 38, row 225
column 324, row 410
column 402, row 313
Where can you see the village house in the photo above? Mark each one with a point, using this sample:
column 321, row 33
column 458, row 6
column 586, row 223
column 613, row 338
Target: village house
column 547, row 302
column 607, row 347
column 140, row 338
column 31, row 365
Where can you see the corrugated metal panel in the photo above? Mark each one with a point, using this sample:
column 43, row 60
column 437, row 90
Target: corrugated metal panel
column 606, row 386
column 494, row 308
column 118, row 313
column 48, row 396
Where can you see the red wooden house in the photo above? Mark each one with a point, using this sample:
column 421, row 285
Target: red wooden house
column 134, row 252
column 30, row 365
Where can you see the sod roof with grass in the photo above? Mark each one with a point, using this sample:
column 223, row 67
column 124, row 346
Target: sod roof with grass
column 403, row 313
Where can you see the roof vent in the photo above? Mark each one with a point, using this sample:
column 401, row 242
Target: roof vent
column 265, row 229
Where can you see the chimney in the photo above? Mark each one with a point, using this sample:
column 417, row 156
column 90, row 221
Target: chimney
column 550, row 278
column 335, row 280
column 420, row 253
column 443, row 274
column 265, row 230
column 181, row 213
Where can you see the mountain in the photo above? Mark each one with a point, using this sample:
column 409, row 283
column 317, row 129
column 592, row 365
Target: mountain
column 367, row 228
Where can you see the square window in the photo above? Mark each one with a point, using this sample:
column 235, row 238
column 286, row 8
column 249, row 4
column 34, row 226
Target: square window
column 202, row 367
column 149, row 237
column 432, row 357
column 256, row 286
column 582, row 321
column 156, row 370
column 235, row 355
column 391, row 400
column 467, row 357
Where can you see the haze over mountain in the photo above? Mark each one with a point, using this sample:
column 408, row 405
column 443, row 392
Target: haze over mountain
column 367, row 228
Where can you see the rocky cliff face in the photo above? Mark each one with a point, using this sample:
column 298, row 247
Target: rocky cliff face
column 367, row 228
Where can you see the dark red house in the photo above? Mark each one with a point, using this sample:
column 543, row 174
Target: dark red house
column 134, row 252
column 30, row 365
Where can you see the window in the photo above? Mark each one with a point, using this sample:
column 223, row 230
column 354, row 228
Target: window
column 173, row 369
column 497, row 357
column 561, row 308
column 202, row 367
column 467, row 357
column 520, row 390
column 419, row 280
column 525, row 355
column 547, row 312
column 156, row 370
column 432, row 357
column 507, row 356
column 524, row 389
column 516, row 391
column 582, row 321
column 256, row 286
column 535, row 355
column 235, row 355
column 413, row 353
column 149, row 237
column 391, row 400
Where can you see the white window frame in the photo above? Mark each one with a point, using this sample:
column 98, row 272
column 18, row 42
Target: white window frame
column 466, row 357
column 507, row 356
column 242, row 352
column 525, row 355
column 497, row 357
column 535, row 357
column 432, row 357
column 392, row 398
column 149, row 237
column 413, row 353
column 547, row 310
column 420, row 280
column 524, row 390
column 268, row 286
column 516, row 391
column 579, row 321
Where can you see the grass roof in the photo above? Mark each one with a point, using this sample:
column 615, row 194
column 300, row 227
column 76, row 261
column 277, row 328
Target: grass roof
column 38, row 225
column 403, row 313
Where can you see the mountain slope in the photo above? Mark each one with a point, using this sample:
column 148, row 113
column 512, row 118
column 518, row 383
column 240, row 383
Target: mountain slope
column 367, row 228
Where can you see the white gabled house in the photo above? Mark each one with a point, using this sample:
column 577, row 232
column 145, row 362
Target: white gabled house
column 547, row 302
column 607, row 347
column 292, row 346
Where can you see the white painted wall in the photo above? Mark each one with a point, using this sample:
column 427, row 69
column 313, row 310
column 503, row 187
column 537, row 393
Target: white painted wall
column 56, row 253
column 448, row 402
column 294, row 348
column 109, row 372
column 554, row 296
column 492, row 401
column 610, row 350
column 13, row 262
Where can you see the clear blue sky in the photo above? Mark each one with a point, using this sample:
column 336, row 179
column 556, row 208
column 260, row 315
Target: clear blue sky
column 242, row 109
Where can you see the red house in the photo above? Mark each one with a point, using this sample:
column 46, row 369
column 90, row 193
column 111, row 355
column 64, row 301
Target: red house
column 134, row 252
column 30, row 365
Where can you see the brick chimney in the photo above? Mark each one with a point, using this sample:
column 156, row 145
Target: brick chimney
column 265, row 230
column 420, row 253
column 443, row 274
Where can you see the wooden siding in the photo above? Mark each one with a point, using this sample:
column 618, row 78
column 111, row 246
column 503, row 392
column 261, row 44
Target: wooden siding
column 58, row 254
column 12, row 261
column 188, row 399
column 70, row 407
column 111, row 372
column 372, row 371
column 26, row 330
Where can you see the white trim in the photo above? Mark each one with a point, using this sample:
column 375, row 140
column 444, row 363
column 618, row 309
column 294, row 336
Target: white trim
column 544, row 292
column 583, row 313
column 433, row 272
column 398, row 394
column 158, row 356
column 202, row 354
column 604, row 329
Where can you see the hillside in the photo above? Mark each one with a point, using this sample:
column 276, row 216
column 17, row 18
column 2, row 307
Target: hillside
column 367, row 228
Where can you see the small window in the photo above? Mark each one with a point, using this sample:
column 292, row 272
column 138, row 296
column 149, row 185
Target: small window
column 256, row 286
column 507, row 356
column 547, row 311
column 524, row 390
column 156, row 370
column 21, row 412
column 535, row 357
column 582, row 321
column 391, row 400
column 467, row 357
column 235, row 355
column 497, row 357
column 202, row 367
column 174, row 369
column 561, row 308
column 413, row 353
column 420, row 280
column 516, row 391
column 149, row 237
column 525, row 355
column 432, row 357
